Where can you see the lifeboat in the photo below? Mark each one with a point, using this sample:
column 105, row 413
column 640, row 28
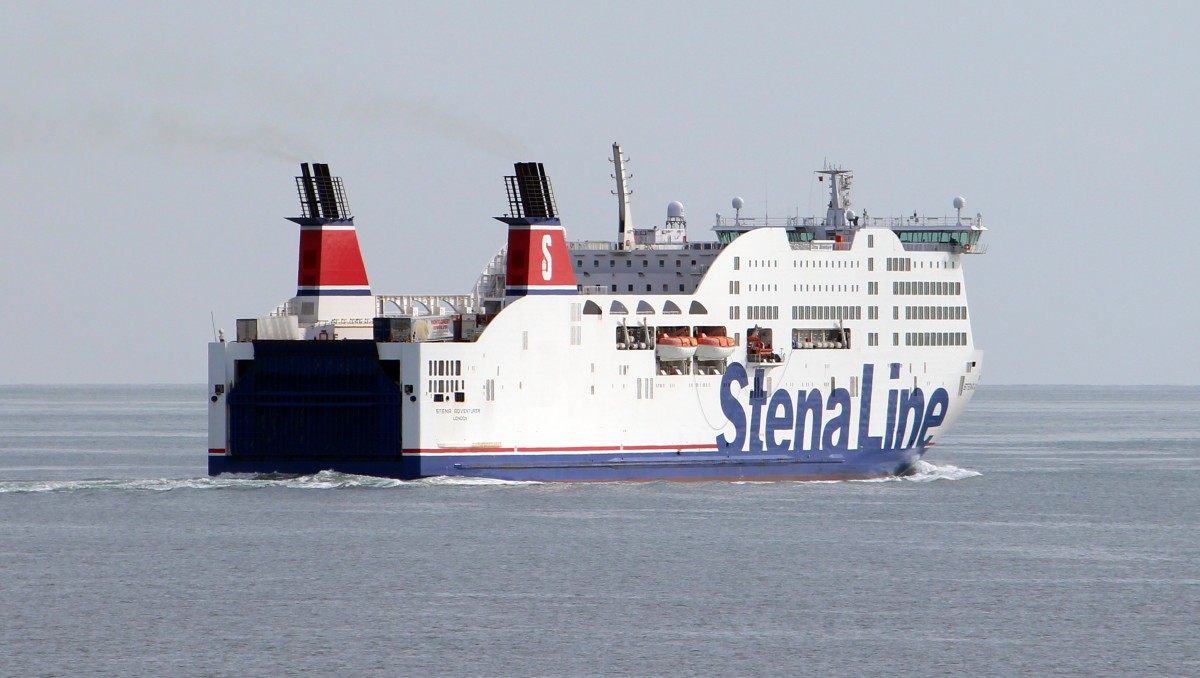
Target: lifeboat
column 713, row 348
column 675, row 348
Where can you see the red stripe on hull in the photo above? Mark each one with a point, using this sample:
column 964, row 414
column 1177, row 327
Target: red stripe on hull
column 518, row 450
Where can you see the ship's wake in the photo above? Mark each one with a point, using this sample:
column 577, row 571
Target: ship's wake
column 325, row 480
column 921, row 472
column 924, row 472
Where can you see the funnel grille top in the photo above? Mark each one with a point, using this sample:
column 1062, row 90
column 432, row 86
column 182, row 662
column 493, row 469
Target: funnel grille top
column 529, row 192
column 321, row 196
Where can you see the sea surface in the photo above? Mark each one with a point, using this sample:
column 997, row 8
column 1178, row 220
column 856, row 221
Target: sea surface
column 1054, row 532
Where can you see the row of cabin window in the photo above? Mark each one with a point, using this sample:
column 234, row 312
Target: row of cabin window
column 906, row 287
column 827, row 263
column 937, row 287
column 801, row 263
column 906, row 264
column 649, row 288
column 935, row 312
column 612, row 263
column 827, row 313
column 762, row 313
column 824, row 288
column 935, row 338
column 445, row 385
column 445, row 368
column 761, row 263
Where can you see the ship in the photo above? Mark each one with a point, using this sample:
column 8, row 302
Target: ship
column 784, row 348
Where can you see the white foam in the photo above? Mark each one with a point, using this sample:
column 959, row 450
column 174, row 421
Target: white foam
column 325, row 480
column 332, row 480
column 159, row 484
column 924, row 472
column 463, row 480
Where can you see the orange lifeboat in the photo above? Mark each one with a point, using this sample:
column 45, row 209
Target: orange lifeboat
column 713, row 348
column 674, row 348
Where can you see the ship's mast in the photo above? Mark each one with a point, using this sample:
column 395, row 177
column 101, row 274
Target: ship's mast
column 839, row 200
column 625, row 223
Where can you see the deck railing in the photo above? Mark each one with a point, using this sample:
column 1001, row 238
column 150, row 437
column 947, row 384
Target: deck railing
column 914, row 222
column 426, row 304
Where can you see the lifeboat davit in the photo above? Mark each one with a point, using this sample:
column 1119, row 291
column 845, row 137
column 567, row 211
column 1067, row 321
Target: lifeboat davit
column 675, row 348
column 713, row 348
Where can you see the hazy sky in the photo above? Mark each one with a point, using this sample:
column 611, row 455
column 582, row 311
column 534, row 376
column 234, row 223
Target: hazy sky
column 148, row 149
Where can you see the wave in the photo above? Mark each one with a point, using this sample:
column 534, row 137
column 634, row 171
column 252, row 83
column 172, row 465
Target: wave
column 325, row 480
column 921, row 472
column 924, row 472
column 465, row 481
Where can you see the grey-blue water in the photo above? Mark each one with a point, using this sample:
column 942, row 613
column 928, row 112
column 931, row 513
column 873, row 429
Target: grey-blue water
column 1054, row 532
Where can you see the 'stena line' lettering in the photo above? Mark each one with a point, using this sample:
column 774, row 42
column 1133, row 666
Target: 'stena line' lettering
column 807, row 421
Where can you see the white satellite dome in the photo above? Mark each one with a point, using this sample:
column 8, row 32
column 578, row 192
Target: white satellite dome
column 738, row 203
column 675, row 210
column 960, row 202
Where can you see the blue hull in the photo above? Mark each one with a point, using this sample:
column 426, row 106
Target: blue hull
column 592, row 467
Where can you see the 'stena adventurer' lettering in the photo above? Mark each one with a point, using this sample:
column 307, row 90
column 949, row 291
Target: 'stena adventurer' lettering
column 808, row 421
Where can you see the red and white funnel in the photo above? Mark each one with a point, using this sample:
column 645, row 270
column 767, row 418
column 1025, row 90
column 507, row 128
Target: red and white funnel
column 538, row 261
column 331, row 280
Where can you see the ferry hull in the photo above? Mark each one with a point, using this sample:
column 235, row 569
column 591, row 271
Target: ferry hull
column 576, row 467
column 347, row 406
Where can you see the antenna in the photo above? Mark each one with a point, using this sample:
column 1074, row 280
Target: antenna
column 213, row 318
column 624, row 218
column 839, row 198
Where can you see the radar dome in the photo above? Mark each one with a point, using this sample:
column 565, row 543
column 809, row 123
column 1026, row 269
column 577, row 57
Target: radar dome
column 851, row 215
column 738, row 203
column 675, row 209
column 960, row 202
